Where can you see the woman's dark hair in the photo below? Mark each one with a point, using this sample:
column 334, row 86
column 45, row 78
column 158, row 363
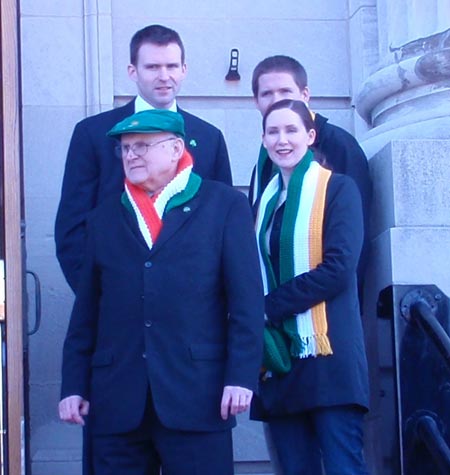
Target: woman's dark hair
column 299, row 107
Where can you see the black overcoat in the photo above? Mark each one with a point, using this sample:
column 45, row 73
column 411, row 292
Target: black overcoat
column 184, row 318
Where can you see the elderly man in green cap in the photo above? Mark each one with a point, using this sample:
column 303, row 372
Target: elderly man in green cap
column 165, row 339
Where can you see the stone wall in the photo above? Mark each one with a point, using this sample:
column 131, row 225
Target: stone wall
column 74, row 58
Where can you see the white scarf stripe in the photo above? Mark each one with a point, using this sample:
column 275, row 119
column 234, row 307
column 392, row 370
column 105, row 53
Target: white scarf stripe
column 301, row 252
column 270, row 190
column 175, row 186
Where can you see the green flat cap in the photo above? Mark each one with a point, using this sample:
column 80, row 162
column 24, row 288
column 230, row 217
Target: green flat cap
column 150, row 122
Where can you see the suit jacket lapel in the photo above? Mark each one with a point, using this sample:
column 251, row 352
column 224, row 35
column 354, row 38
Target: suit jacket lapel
column 127, row 110
column 131, row 225
column 174, row 221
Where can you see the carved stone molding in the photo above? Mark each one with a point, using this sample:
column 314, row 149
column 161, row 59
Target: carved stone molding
column 420, row 69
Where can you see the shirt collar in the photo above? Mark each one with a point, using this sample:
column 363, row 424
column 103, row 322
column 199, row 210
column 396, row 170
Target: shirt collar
column 141, row 104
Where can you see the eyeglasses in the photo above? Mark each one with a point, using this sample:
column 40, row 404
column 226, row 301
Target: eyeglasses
column 139, row 148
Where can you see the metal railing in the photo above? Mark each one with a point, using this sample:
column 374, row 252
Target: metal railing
column 421, row 377
column 423, row 314
column 426, row 427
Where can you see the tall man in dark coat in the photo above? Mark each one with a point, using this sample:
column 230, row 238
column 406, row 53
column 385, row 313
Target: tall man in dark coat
column 165, row 339
column 157, row 66
column 282, row 77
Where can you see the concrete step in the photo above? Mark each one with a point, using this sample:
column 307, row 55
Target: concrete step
column 254, row 468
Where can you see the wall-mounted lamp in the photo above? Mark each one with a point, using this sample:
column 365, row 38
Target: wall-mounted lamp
column 233, row 74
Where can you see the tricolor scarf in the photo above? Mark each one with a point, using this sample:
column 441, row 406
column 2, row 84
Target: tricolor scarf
column 149, row 210
column 301, row 249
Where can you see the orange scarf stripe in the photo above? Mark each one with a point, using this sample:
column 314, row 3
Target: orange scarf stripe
column 319, row 316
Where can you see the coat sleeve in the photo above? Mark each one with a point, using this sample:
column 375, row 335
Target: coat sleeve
column 345, row 156
column 78, row 197
column 242, row 277
column 342, row 241
column 80, row 339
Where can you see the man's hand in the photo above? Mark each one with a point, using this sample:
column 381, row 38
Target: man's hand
column 72, row 409
column 234, row 400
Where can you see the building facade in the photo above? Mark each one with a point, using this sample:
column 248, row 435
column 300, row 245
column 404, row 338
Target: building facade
column 378, row 68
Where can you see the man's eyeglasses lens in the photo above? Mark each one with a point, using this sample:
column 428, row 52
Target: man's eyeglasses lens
column 139, row 148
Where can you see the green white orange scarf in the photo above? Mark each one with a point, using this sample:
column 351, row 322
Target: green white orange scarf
column 149, row 210
column 301, row 249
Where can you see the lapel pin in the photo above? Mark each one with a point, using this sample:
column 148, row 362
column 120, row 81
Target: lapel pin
column 186, row 209
column 193, row 143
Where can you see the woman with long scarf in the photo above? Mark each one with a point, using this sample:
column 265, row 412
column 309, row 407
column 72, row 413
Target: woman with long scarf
column 314, row 382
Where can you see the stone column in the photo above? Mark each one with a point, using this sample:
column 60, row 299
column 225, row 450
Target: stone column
column 406, row 103
column 408, row 96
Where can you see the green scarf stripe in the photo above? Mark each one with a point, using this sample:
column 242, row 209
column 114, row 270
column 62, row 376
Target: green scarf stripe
column 270, row 209
column 127, row 203
column 260, row 165
column 187, row 194
column 276, row 356
column 289, row 217
column 287, row 270
column 262, row 159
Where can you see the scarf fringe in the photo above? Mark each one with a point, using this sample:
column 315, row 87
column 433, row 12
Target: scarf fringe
column 323, row 345
column 305, row 347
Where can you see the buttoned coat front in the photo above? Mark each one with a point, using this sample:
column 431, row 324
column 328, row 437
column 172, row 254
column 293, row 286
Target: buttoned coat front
column 184, row 318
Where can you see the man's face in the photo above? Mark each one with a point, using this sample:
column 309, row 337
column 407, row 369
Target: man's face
column 274, row 87
column 158, row 73
column 150, row 160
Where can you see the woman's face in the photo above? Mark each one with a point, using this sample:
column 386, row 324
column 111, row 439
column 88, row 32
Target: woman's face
column 286, row 138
